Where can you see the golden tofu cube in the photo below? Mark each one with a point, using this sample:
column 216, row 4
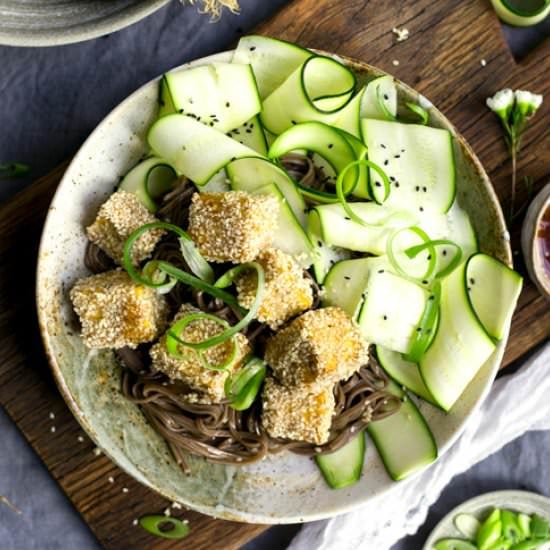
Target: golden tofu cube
column 116, row 220
column 189, row 367
column 321, row 346
column 301, row 413
column 116, row 312
column 287, row 291
column 233, row 226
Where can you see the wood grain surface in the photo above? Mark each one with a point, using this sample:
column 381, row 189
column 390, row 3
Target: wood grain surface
column 441, row 59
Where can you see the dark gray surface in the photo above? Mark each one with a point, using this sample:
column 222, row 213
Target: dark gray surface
column 51, row 99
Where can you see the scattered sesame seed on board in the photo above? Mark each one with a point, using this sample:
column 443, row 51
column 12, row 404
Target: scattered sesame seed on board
column 483, row 62
column 52, row 429
column 80, row 439
column 395, row 63
column 177, row 505
column 97, row 451
column 52, row 416
column 111, row 479
column 167, row 512
column 135, row 522
column 125, row 490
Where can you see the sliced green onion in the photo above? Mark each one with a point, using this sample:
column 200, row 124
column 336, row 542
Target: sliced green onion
column 224, row 281
column 197, row 264
column 342, row 196
column 151, row 280
column 13, row 170
column 243, row 388
column 413, row 251
column 382, row 105
column 316, row 195
column 153, row 273
column 417, row 110
column 425, row 331
column 178, row 328
column 152, row 525
column 432, row 262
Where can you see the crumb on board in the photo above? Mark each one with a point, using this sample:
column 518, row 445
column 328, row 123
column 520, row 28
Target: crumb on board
column 483, row 62
column 400, row 34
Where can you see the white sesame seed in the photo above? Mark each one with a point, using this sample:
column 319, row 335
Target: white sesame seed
column 111, row 479
column 167, row 512
column 97, row 451
column 80, row 439
column 52, row 429
column 395, row 63
column 125, row 490
column 135, row 522
column 185, row 521
column 177, row 505
column 483, row 63
column 52, row 416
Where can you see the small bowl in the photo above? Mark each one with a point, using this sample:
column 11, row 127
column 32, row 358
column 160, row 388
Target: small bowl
column 517, row 501
column 532, row 244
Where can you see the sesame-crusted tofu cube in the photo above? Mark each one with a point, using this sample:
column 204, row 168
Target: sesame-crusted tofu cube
column 301, row 413
column 116, row 220
column 116, row 312
column 232, row 226
column 287, row 291
column 321, row 346
column 189, row 367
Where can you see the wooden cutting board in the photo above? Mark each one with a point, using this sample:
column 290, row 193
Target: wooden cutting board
column 443, row 60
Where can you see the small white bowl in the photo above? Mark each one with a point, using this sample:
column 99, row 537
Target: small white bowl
column 530, row 242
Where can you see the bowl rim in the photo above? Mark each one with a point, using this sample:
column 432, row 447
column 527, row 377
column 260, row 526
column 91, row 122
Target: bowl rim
column 83, row 31
column 239, row 515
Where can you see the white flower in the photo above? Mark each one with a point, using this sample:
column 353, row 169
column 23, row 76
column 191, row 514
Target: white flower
column 527, row 102
column 501, row 103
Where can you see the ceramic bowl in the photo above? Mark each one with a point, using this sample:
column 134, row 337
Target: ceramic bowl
column 283, row 488
column 531, row 244
column 480, row 506
column 53, row 22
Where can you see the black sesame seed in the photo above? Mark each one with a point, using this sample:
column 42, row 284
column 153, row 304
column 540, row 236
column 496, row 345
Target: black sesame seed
column 184, row 147
column 191, row 100
column 227, row 104
column 472, row 280
column 346, row 218
column 211, row 124
column 378, row 184
column 213, row 116
column 386, row 97
column 380, row 271
column 402, row 150
column 319, row 243
column 382, row 145
column 216, row 120
column 396, row 184
column 421, row 209
column 425, row 189
column 418, row 329
column 233, row 159
column 252, row 48
column 417, row 188
column 180, row 111
column 468, row 289
column 330, row 145
column 347, row 278
column 162, row 103
column 251, row 125
column 431, row 297
column 236, row 131
column 248, row 131
column 332, row 262
column 392, row 178
column 386, row 162
column 385, row 317
column 429, row 257
column 293, row 121
column 396, row 156
column 424, row 282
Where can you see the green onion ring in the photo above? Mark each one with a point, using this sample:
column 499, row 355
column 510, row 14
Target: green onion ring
column 179, row 326
column 224, row 281
column 413, row 251
column 168, row 268
column 152, row 525
column 243, row 388
column 425, row 331
column 421, row 112
column 432, row 262
column 342, row 196
column 153, row 273
column 197, row 264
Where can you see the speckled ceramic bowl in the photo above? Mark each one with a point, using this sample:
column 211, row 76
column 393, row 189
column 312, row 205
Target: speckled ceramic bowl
column 283, row 488
column 53, row 22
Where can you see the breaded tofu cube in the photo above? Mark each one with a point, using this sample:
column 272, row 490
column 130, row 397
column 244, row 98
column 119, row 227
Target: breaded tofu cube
column 321, row 346
column 116, row 220
column 287, row 291
column 189, row 367
column 233, row 226
column 302, row 413
column 116, row 312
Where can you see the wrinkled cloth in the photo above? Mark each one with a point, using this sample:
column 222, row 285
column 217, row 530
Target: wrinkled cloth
column 516, row 404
